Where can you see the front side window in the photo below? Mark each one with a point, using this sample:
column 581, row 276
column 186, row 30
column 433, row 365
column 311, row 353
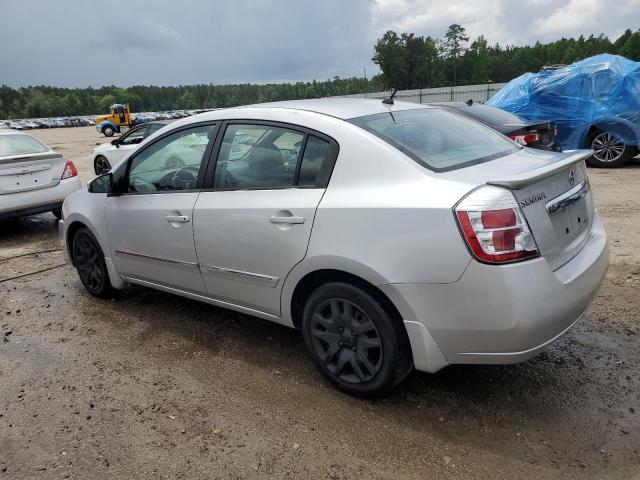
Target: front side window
column 19, row 144
column 172, row 163
column 257, row 156
column 133, row 137
column 438, row 139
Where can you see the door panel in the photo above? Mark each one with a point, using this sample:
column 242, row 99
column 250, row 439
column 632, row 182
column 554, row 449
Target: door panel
column 150, row 224
column 149, row 246
column 247, row 241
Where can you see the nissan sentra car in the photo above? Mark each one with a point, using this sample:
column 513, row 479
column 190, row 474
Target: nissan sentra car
column 33, row 178
column 392, row 235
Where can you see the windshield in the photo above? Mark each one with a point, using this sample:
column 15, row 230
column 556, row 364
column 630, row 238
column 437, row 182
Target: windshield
column 438, row 139
column 19, row 144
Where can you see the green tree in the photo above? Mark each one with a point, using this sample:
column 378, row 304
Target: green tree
column 631, row 48
column 453, row 45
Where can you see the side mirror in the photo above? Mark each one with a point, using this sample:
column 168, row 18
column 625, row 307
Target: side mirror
column 115, row 142
column 101, row 184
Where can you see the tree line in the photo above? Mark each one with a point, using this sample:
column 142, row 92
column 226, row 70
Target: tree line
column 406, row 61
column 409, row 61
column 42, row 101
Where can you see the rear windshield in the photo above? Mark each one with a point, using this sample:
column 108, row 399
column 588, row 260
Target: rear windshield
column 438, row 139
column 18, row 144
column 490, row 115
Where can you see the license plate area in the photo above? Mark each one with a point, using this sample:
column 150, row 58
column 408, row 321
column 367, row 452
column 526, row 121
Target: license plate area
column 570, row 215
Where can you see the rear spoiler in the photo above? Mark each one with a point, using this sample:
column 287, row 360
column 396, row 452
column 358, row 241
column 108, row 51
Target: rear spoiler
column 27, row 158
column 521, row 180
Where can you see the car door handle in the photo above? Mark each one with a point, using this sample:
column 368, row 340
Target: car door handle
column 177, row 218
column 286, row 219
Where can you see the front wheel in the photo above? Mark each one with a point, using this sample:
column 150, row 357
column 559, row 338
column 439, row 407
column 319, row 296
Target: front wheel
column 354, row 341
column 108, row 131
column 101, row 165
column 609, row 150
column 89, row 261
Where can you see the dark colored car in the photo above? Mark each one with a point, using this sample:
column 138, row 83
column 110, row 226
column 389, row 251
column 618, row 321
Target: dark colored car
column 533, row 134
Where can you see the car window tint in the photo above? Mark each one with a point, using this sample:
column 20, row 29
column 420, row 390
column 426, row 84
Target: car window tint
column 315, row 153
column 19, row 144
column 171, row 163
column 257, row 156
column 133, row 137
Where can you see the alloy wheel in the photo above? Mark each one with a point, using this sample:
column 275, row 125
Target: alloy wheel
column 102, row 165
column 87, row 260
column 607, row 147
column 346, row 340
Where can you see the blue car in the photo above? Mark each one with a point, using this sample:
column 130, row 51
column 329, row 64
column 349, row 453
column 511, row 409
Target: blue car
column 595, row 104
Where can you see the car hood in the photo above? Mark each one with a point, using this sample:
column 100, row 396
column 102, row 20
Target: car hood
column 104, row 147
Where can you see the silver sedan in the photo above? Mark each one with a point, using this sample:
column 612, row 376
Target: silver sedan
column 33, row 178
column 392, row 235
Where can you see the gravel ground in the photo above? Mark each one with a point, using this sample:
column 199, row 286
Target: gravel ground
column 155, row 386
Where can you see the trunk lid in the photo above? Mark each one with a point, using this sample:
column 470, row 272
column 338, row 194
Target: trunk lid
column 557, row 204
column 30, row 172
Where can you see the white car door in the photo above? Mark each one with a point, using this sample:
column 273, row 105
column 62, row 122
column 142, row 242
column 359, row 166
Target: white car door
column 150, row 223
column 253, row 225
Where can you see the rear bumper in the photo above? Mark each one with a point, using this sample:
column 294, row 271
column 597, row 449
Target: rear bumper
column 37, row 201
column 504, row 314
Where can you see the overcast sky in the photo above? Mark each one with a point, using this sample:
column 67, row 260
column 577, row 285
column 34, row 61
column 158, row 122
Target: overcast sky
column 84, row 42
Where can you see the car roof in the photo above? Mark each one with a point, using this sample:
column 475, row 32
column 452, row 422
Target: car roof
column 343, row 108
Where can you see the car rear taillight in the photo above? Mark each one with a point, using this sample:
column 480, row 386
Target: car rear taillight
column 525, row 139
column 69, row 170
column 494, row 227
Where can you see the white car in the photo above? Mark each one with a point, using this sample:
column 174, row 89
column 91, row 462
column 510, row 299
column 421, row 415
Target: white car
column 107, row 155
column 392, row 235
column 33, row 178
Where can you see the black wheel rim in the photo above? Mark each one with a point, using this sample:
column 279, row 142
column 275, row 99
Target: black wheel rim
column 88, row 263
column 346, row 340
column 607, row 147
column 102, row 165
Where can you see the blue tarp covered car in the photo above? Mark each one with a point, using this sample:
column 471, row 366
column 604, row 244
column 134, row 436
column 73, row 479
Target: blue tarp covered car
column 595, row 104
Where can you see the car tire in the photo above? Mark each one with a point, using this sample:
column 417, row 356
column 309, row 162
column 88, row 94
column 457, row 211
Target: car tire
column 88, row 259
column 609, row 150
column 354, row 341
column 108, row 131
column 101, row 165
column 57, row 213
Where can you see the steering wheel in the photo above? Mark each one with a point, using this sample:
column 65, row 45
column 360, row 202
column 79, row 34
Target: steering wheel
column 182, row 179
column 173, row 162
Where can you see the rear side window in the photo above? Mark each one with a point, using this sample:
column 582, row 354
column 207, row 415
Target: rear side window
column 437, row 139
column 316, row 153
column 258, row 156
column 154, row 127
column 19, row 144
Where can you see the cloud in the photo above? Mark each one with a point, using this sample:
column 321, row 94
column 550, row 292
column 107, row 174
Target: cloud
column 80, row 43
column 508, row 22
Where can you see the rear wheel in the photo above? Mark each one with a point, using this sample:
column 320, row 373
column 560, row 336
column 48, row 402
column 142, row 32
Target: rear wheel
column 353, row 340
column 89, row 261
column 108, row 131
column 609, row 150
column 101, row 165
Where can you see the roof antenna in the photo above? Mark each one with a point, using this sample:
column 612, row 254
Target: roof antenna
column 389, row 100
column 469, row 102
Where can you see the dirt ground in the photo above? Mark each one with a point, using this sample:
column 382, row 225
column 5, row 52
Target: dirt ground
column 155, row 386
